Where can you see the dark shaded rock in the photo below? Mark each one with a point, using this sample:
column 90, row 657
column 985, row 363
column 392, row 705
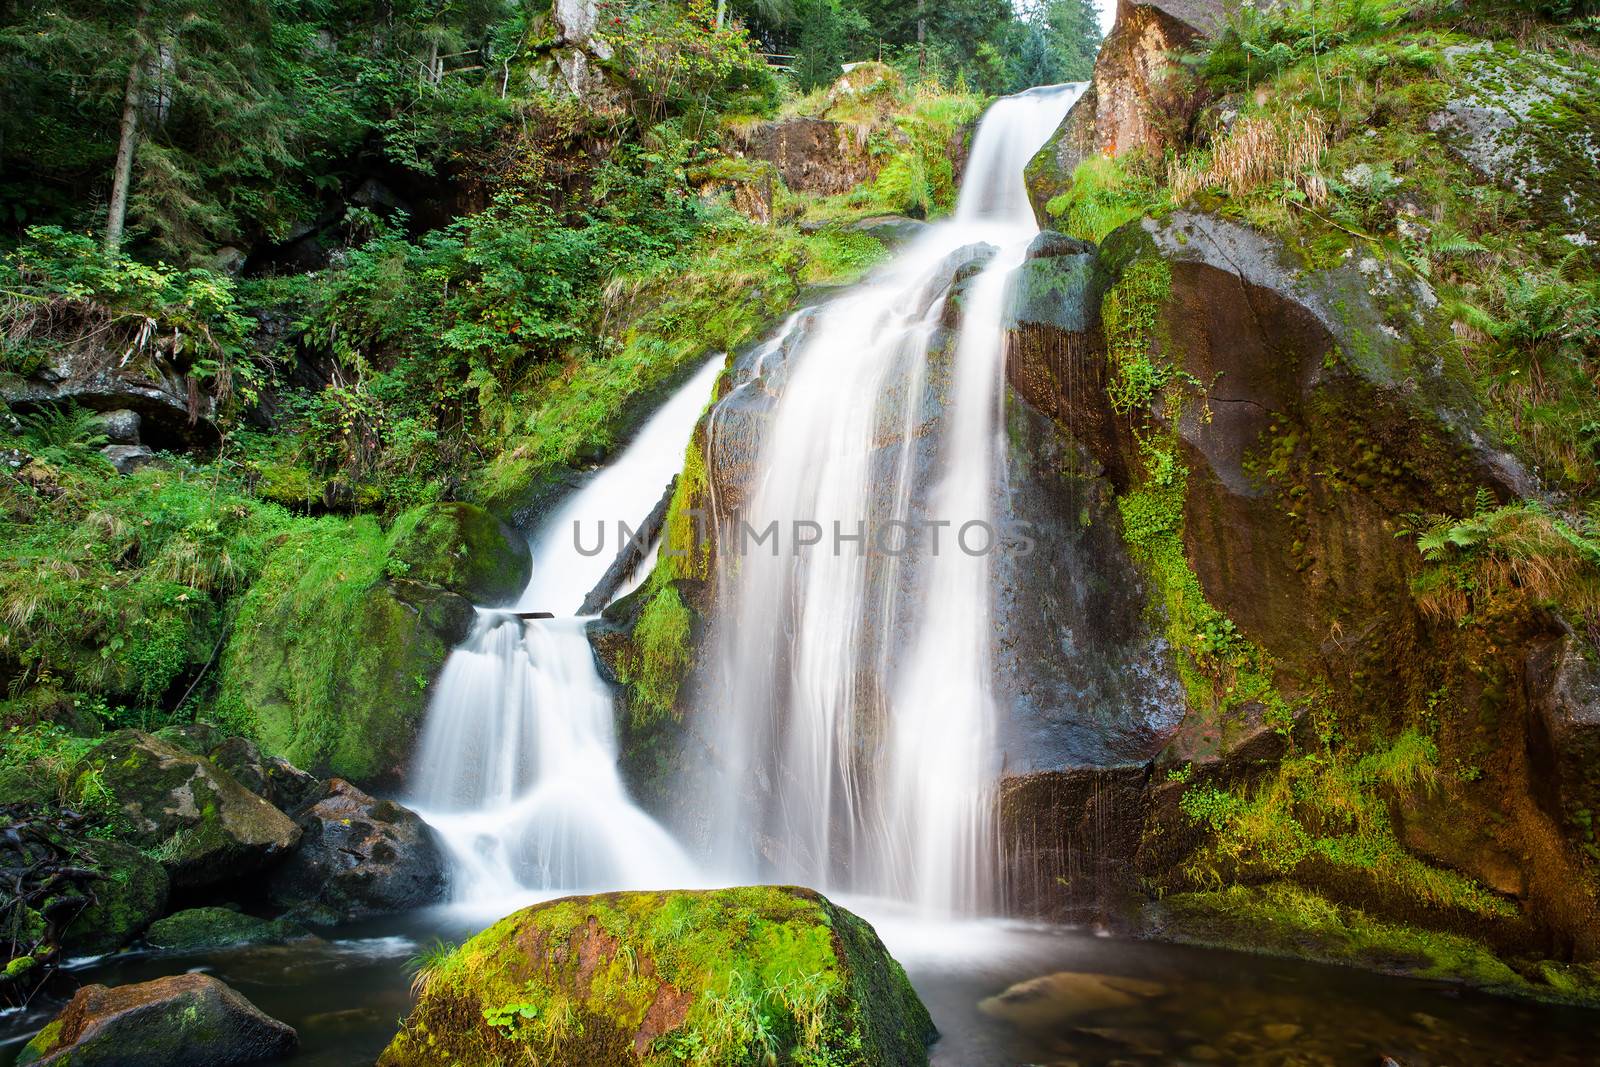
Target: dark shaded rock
column 195, row 738
column 173, row 411
column 1564, row 681
column 187, row 1020
column 208, row 827
column 120, row 426
column 130, row 892
column 359, row 857
column 272, row 778
column 463, row 548
column 198, row 929
column 634, row 968
column 127, row 458
column 1068, row 840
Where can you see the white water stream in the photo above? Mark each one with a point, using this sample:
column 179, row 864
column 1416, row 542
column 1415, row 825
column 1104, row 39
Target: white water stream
column 857, row 682
column 858, row 705
column 517, row 765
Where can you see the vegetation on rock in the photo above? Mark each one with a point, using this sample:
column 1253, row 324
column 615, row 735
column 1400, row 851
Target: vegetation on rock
column 733, row 976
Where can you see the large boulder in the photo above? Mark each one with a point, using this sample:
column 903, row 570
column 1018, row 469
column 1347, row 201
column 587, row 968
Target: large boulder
column 749, row 975
column 187, row 1020
column 359, row 857
column 272, row 778
column 463, row 548
column 206, row 826
column 813, row 155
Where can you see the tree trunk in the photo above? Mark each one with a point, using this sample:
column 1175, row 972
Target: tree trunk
column 922, row 36
column 117, row 215
column 722, row 12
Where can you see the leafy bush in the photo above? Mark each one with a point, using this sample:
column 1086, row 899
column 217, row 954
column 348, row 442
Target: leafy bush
column 61, row 292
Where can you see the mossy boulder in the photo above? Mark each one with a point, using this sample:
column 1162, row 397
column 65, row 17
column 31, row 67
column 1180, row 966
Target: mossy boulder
column 206, row 827
column 359, row 857
column 130, row 892
column 463, row 548
column 187, row 1020
column 735, row 976
column 197, row 929
column 346, row 698
column 1529, row 119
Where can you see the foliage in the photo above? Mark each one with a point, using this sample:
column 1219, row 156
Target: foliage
column 60, row 293
column 118, row 585
column 1516, row 551
column 1332, row 807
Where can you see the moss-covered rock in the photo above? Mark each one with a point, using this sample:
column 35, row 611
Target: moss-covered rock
column 197, row 929
column 735, row 976
column 463, row 548
column 342, row 691
column 130, row 892
column 205, row 826
column 187, row 1020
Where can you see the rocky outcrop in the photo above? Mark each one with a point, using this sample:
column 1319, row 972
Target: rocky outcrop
column 1123, row 109
column 187, row 1020
column 813, row 155
column 272, row 778
column 631, row 971
column 1525, row 119
column 358, row 857
column 205, row 825
column 172, row 410
column 1319, row 406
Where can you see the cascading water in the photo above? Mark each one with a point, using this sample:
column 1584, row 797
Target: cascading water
column 517, row 766
column 857, row 671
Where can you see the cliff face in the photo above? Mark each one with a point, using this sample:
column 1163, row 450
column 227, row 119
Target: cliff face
column 1384, row 717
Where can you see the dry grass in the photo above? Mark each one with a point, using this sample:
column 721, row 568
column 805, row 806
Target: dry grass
column 1256, row 151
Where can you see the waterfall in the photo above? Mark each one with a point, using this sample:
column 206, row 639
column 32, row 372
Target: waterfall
column 517, row 764
column 854, row 649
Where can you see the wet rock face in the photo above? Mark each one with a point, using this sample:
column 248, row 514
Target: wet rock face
column 359, row 857
column 209, row 827
column 169, row 410
column 1068, row 840
column 187, row 1020
column 1083, row 671
column 814, row 155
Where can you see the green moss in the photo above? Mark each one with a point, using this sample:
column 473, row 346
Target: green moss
column 1104, row 195
column 332, row 653
column 199, row 929
column 462, row 548
column 759, row 974
column 1282, row 919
